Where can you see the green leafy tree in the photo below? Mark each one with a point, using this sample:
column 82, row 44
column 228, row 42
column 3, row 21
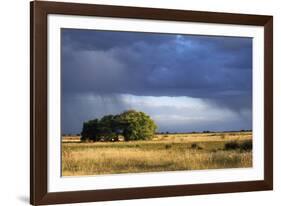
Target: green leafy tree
column 138, row 125
column 90, row 130
column 108, row 128
column 131, row 124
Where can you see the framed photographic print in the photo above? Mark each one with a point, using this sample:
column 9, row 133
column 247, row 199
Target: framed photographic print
column 131, row 102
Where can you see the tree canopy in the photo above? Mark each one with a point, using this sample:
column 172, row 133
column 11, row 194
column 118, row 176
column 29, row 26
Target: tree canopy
column 131, row 124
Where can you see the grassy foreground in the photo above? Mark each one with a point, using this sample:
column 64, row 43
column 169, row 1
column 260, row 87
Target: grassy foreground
column 165, row 152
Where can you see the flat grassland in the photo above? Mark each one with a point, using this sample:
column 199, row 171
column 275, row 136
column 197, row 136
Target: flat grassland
column 165, row 152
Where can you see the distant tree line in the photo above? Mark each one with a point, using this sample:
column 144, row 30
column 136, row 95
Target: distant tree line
column 131, row 125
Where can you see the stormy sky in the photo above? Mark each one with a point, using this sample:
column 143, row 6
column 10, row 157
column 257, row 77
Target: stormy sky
column 184, row 82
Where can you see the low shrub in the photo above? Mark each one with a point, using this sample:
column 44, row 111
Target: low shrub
column 194, row 146
column 232, row 145
column 247, row 145
column 244, row 146
column 168, row 146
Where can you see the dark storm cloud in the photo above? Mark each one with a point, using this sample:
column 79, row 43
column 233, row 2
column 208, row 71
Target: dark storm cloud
column 103, row 40
column 216, row 69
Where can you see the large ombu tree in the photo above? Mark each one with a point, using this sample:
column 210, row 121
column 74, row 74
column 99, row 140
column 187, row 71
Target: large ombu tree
column 131, row 124
column 138, row 125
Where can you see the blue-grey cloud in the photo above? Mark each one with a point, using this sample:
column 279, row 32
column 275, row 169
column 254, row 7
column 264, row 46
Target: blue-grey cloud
column 215, row 69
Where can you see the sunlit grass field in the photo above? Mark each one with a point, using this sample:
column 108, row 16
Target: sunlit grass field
column 165, row 152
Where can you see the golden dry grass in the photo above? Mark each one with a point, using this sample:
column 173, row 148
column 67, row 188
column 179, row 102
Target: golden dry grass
column 162, row 153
